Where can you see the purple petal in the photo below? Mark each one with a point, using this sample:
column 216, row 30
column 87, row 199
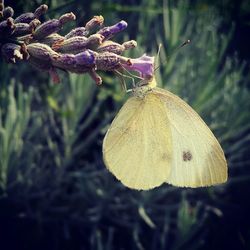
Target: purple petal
column 144, row 65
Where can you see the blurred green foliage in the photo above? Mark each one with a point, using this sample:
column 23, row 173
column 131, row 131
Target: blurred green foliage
column 55, row 190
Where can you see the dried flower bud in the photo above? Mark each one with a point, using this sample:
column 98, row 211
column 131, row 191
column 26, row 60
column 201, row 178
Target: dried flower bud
column 80, row 31
column 67, row 18
column 26, row 39
column 77, row 44
column 94, row 22
column 11, row 52
column 34, row 23
column 63, row 61
column 25, row 18
column 41, row 10
column 109, row 61
column 29, row 16
column 130, row 44
column 110, row 31
column 72, row 45
column 52, row 39
column 116, row 48
column 21, row 29
column 109, row 46
column 94, row 40
column 8, row 12
column 41, row 51
column 79, row 63
column 47, row 28
column 52, row 26
column 7, row 27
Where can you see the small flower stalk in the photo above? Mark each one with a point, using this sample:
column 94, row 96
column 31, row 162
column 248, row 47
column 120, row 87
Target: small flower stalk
column 26, row 39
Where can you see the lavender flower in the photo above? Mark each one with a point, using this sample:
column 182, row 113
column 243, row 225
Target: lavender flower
column 25, row 38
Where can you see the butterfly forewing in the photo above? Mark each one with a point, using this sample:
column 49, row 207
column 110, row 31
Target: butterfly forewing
column 137, row 147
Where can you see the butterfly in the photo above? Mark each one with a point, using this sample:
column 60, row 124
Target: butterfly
column 158, row 138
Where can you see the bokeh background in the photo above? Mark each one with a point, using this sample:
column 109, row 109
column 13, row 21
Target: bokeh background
column 55, row 190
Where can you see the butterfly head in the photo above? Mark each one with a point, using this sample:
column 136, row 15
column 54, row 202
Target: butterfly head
column 144, row 86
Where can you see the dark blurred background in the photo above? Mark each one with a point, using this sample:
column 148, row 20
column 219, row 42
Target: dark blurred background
column 55, row 190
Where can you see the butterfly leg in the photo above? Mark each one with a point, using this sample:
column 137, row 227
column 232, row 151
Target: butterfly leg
column 121, row 76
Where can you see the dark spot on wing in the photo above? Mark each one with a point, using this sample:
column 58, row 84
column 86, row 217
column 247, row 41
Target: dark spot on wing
column 165, row 157
column 187, row 156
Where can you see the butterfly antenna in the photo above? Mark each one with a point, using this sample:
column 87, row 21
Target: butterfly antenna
column 158, row 52
column 172, row 53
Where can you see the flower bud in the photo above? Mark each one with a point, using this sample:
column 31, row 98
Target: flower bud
column 21, row 29
column 63, row 61
column 109, row 61
column 94, row 41
column 25, row 18
column 52, row 39
column 94, row 22
column 26, row 39
column 110, row 31
column 79, row 63
column 33, row 24
column 109, row 46
column 77, row 44
column 52, row 26
column 41, row 51
column 47, row 28
column 71, row 45
column 41, row 10
column 130, row 44
column 66, row 18
column 11, row 52
column 7, row 27
column 86, row 58
column 29, row 16
column 80, row 31
column 116, row 48
column 8, row 12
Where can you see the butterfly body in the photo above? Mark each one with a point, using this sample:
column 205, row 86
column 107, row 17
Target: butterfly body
column 156, row 137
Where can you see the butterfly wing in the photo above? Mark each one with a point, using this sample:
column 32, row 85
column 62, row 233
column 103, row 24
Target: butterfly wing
column 198, row 159
column 137, row 147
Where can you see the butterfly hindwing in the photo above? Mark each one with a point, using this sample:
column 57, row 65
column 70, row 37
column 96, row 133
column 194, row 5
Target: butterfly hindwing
column 198, row 159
